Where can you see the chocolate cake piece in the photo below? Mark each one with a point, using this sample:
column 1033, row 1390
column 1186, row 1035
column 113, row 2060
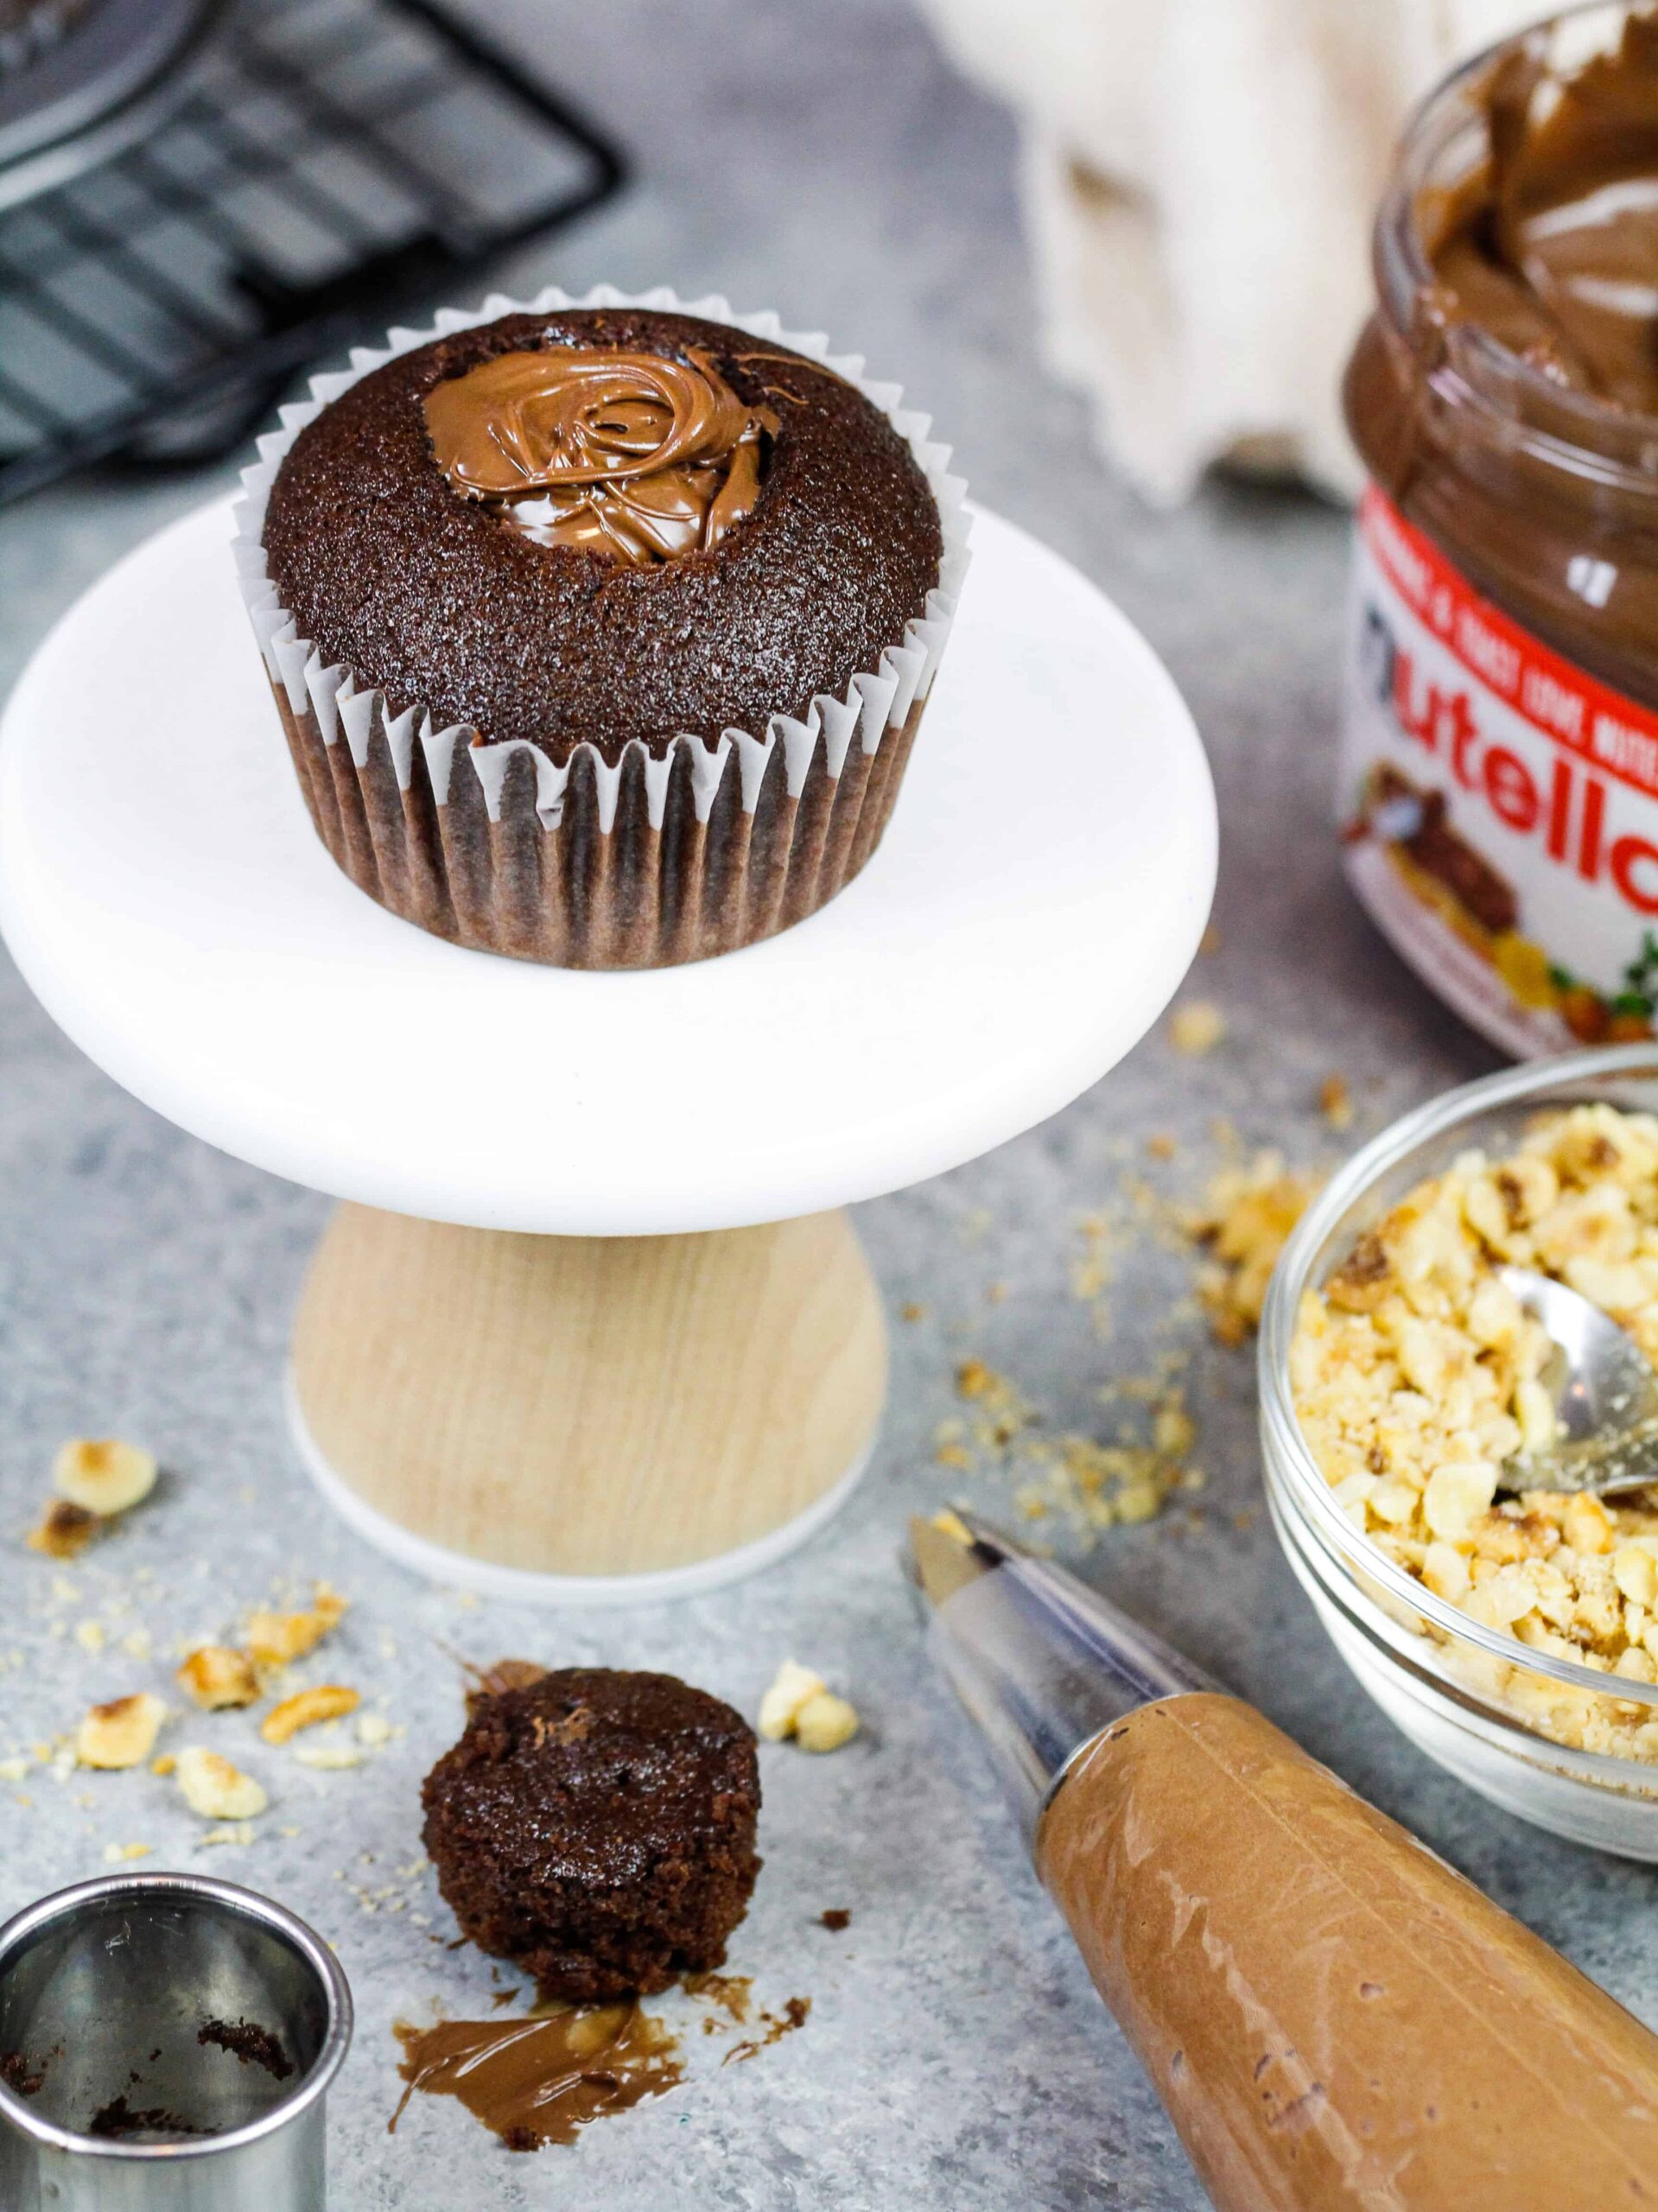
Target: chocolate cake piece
column 597, row 1828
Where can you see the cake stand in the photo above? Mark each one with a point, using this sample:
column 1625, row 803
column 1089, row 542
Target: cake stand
column 590, row 1322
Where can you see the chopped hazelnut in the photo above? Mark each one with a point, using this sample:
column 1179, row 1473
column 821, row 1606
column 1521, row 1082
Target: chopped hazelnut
column 326, row 1701
column 1336, row 1101
column 277, row 1639
column 1197, row 1028
column 64, row 1530
column 217, row 1790
column 1418, row 1376
column 825, row 1722
column 102, row 1475
column 122, row 1734
column 214, row 1676
column 794, row 1687
column 1634, row 1570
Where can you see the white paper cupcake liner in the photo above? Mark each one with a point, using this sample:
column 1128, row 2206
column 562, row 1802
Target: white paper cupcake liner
column 643, row 861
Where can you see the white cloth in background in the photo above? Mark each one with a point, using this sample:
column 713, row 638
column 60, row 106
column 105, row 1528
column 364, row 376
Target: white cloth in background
column 1199, row 179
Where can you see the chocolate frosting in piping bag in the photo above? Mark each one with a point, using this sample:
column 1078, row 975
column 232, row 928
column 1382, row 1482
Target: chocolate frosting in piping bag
column 1336, row 2020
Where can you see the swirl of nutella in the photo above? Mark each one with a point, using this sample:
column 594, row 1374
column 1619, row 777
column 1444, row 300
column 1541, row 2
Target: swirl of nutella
column 636, row 456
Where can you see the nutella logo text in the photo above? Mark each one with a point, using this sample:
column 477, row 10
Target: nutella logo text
column 1564, row 807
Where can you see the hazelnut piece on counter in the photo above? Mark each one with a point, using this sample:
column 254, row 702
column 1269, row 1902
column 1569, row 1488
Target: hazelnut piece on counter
column 102, row 1474
column 215, row 1789
column 64, row 1530
column 795, row 1687
column 122, row 1734
column 1197, row 1028
column 277, row 1639
column 328, row 1701
column 825, row 1722
column 214, row 1676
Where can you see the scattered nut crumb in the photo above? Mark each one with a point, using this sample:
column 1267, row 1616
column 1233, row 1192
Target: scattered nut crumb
column 90, row 1635
column 164, row 1765
column 216, row 1789
column 1161, row 1146
column 330, row 1753
column 373, row 1729
column 242, row 1832
column 277, row 1639
column 1197, row 1028
column 326, row 1701
column 1336, row 1101
column 1245, row 1220
column 122, row 1734
column 114, row 1853
column 215, row 1675
column 825, row 1722
column 64, row 1530
column 794, row 1687
column 911, row 1310
column 102, row 1475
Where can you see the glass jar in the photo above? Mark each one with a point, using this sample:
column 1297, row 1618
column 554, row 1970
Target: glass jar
column 1503, row 1717
column 1500, row 747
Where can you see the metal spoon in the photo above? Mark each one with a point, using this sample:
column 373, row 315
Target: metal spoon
column 1605, row 1391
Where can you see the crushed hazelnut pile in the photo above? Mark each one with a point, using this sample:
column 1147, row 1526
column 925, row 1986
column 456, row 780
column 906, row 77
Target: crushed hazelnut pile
column 1416, row 1375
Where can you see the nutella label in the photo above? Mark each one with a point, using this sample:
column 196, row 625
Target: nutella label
column 1499, row 807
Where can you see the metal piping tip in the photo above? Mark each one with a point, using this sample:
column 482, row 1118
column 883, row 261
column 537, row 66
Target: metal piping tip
column 1041, row 1662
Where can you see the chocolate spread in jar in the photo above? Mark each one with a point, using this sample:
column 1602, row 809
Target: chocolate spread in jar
column 1500, row 765
column 1332, row 2015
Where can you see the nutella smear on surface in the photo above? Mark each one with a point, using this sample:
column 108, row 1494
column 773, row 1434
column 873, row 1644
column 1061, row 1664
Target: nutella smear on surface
column 1499, row 772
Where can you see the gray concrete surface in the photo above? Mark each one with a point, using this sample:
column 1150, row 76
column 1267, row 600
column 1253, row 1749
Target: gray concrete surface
column 821, row 158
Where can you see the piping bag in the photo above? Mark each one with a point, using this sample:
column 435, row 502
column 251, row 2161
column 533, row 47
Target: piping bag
column 1332, row 2015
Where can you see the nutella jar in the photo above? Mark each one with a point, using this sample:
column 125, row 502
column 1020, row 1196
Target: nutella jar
column 1500, row 735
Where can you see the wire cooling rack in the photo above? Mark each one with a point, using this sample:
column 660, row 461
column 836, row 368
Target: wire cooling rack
column 328, row 164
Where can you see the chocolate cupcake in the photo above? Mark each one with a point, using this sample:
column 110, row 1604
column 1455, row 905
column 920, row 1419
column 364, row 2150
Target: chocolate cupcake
column 596, row 1828
column 601, row 632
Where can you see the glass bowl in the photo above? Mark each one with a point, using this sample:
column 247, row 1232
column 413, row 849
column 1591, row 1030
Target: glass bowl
column 1467, row 1694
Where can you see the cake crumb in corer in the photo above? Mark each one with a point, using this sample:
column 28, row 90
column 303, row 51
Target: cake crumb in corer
column 1418, row 1382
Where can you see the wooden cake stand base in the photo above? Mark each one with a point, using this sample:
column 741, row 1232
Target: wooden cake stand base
column 630, row 1407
